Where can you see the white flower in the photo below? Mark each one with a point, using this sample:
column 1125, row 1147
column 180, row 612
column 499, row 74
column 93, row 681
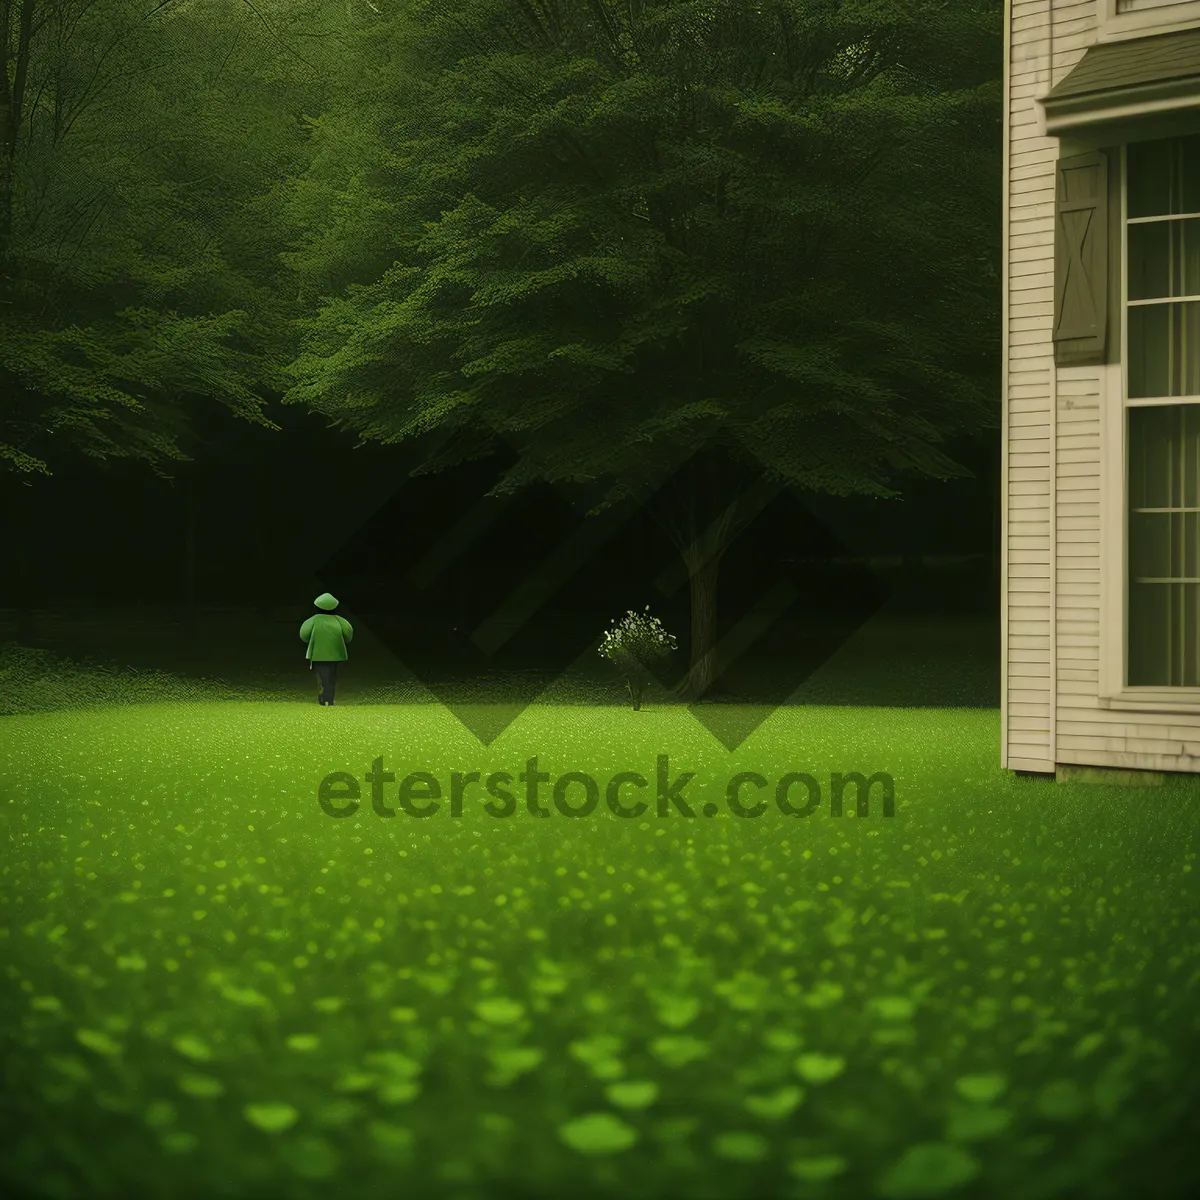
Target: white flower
column 638, row 635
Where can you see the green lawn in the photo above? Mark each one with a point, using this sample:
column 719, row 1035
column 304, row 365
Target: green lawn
column 212, row 988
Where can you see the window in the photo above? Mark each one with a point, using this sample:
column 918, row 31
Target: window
column 1162, row 330
column 1118, row 19
column 1124, row 6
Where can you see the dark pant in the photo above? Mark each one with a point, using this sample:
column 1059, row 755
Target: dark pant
column 326, row 680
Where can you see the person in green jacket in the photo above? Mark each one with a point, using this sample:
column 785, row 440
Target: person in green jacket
column 326, row 635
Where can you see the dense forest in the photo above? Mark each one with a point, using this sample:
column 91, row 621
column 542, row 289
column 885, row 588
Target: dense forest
column 598, row 238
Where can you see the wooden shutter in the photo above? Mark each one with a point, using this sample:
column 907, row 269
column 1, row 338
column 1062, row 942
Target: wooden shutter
column 1081, row 258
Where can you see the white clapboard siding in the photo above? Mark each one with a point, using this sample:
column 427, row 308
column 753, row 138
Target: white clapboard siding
column 1053, row 712
column 1029, row 315
column 1077, row 536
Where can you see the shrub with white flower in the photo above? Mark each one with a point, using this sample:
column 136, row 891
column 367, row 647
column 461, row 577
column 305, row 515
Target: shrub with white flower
column 636, row 641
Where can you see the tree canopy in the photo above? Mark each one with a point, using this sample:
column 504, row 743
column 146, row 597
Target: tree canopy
column 610, row 232
column 139, row 276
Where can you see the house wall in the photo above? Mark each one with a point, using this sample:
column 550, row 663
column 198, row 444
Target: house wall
column 1026, row 609
column 1055, row 419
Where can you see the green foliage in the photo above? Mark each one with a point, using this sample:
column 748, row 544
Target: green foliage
column 602, row 233
column 38, row 681
column 615, row 234
column 598, row 1133
column 139, row 275
column 927, row 1170
column 211, row 988
column 103, row 388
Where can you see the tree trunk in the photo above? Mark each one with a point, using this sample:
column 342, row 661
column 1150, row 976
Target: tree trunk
column 703, row 667
column 704, row 525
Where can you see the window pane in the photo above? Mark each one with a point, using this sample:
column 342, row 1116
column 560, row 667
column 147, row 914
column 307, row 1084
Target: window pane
column 1164, row 617
column 1164, row 349
column 1150, row 455
column 1162, row 454
column 1164, row 259
column 1164, row 176
column 1163, row 545
column 1164, row 646
column 1149, row 656
column 1149, row 546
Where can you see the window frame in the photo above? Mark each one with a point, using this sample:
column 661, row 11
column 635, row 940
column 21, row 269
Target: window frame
column 1114, row 690
column 1154, row 18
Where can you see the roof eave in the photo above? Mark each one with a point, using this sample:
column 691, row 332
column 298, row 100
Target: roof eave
column 1067, row 114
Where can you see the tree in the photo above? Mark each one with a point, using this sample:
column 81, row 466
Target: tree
column 140, row 141
column 615, row 233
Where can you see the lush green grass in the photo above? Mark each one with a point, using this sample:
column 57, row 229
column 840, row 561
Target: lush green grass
column 213, row 988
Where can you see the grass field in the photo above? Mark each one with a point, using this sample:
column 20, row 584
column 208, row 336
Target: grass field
column 212, row 988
